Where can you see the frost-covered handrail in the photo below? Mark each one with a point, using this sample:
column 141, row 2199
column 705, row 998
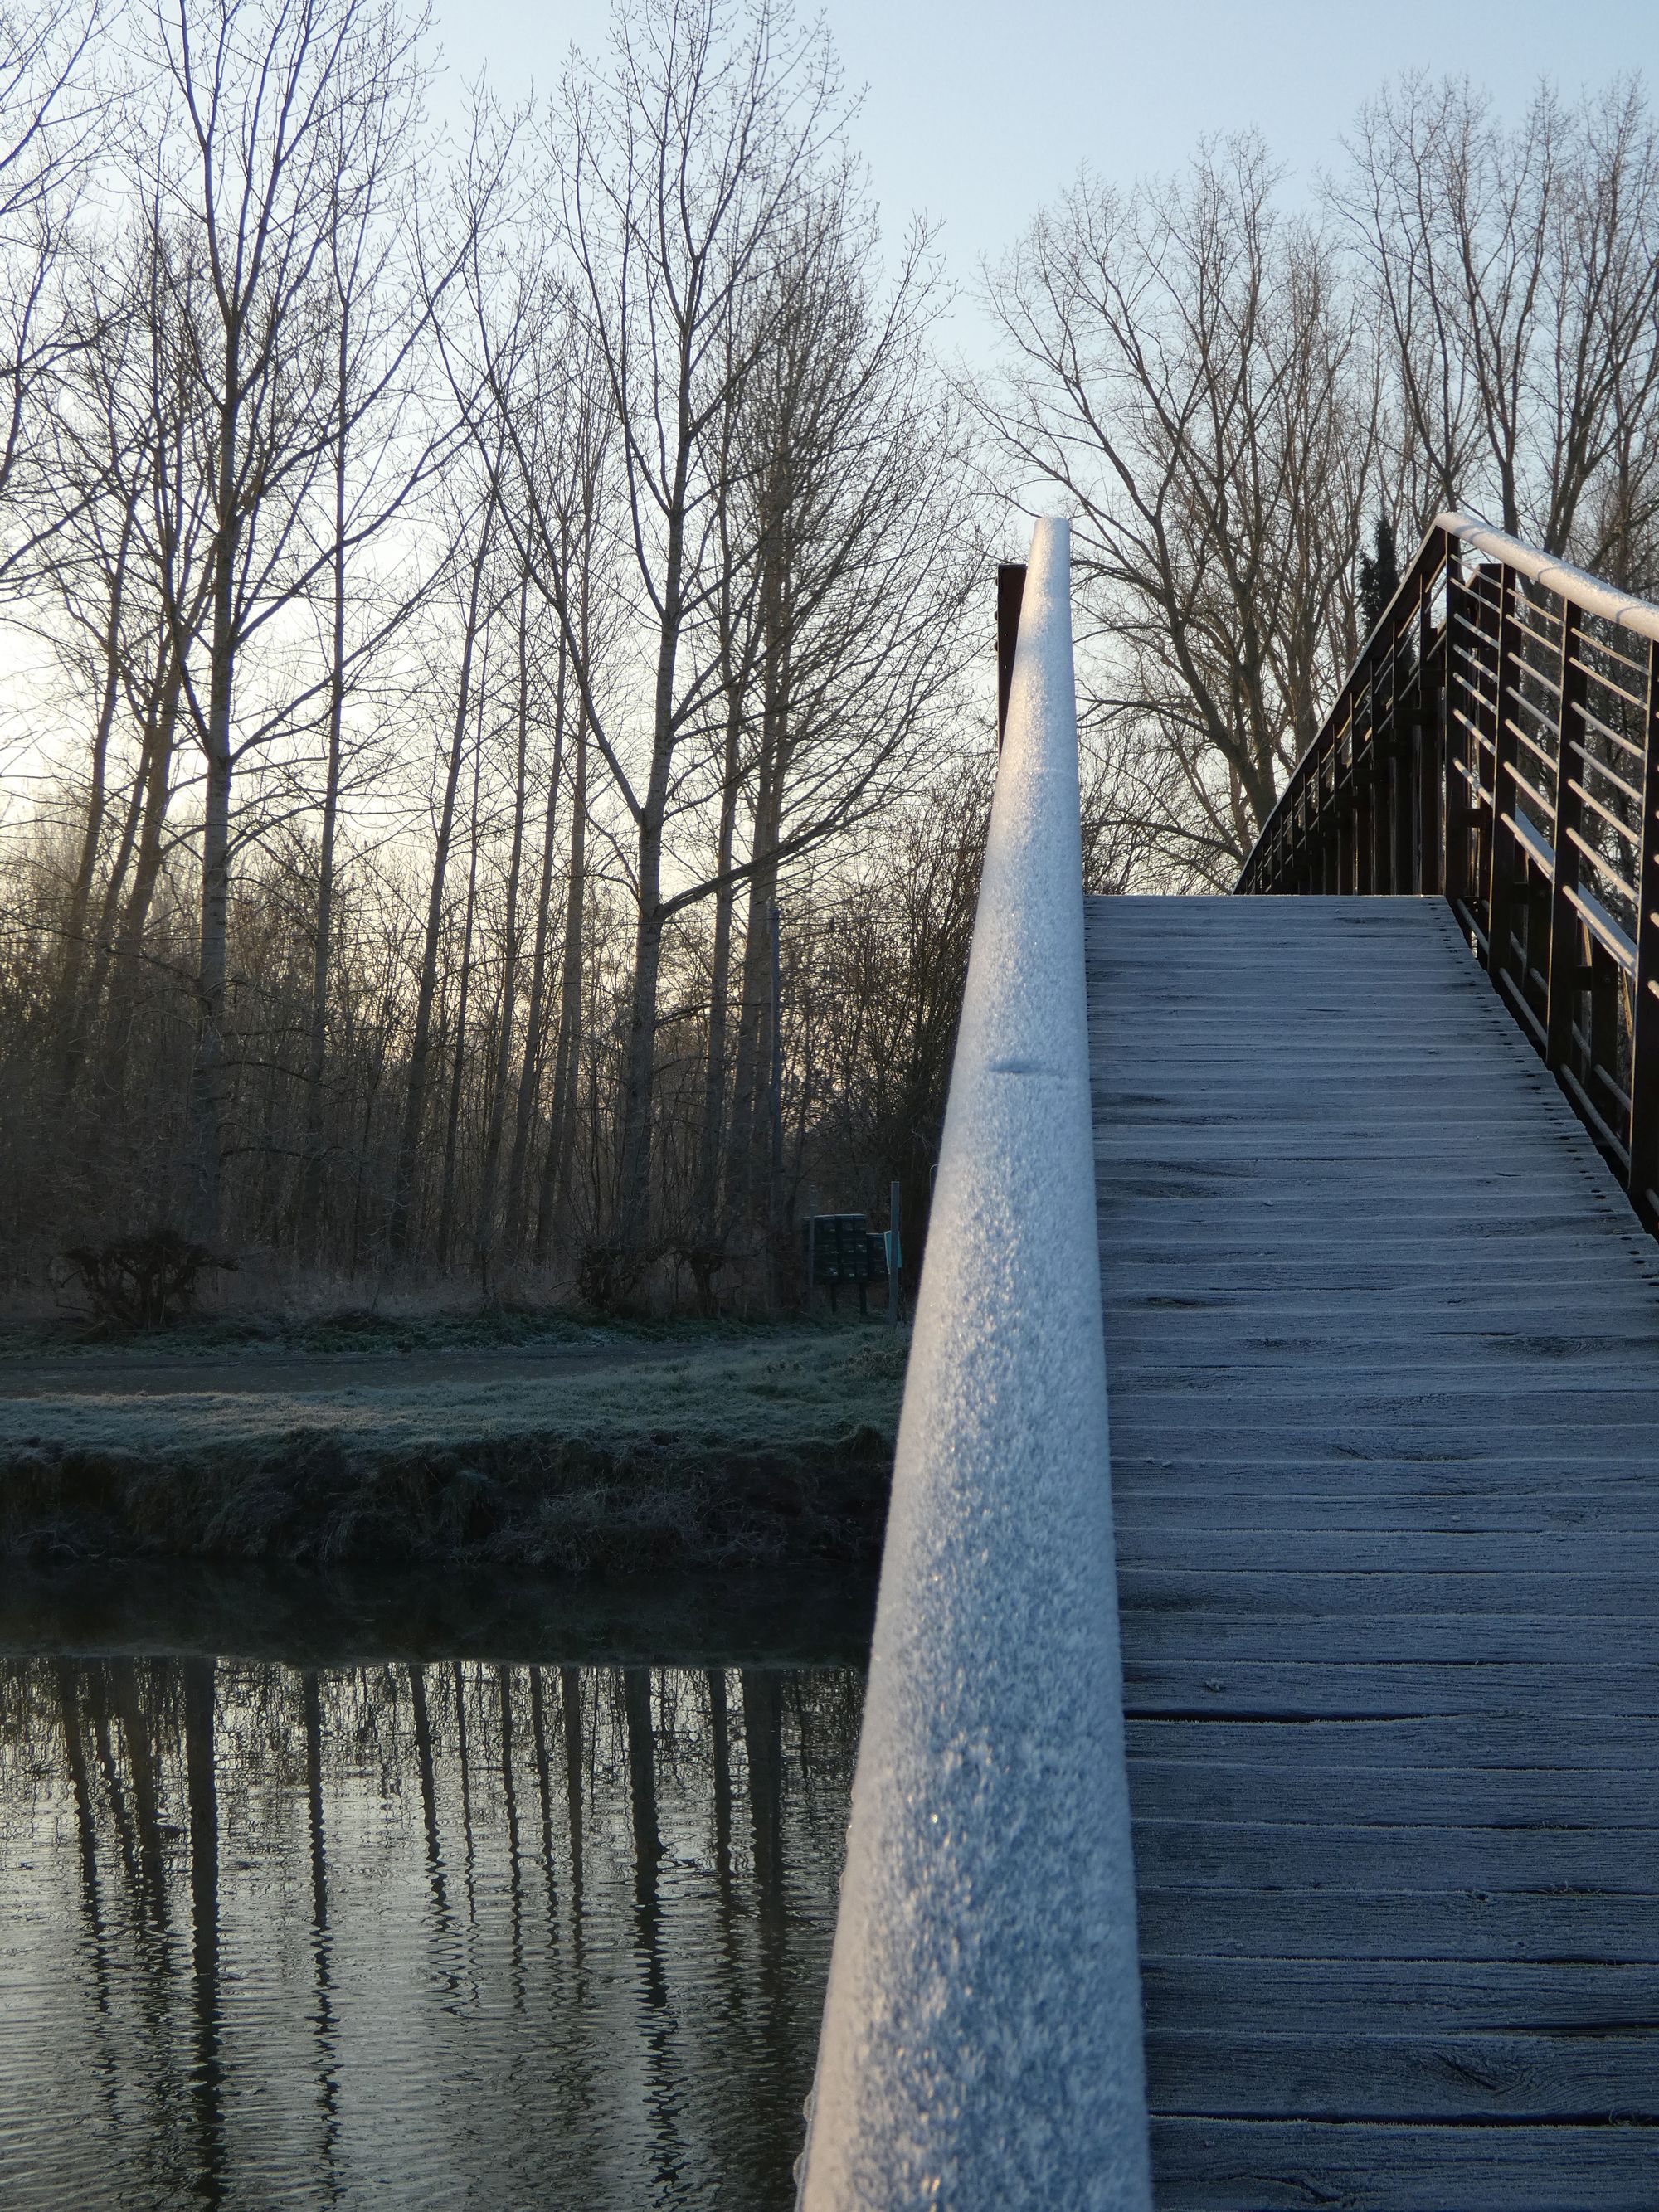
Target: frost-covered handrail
column 982, row 2043
column 1639, row 617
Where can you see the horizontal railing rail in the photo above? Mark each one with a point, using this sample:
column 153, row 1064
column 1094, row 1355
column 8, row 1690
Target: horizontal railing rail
column 982, row 2038
column 1497, row 742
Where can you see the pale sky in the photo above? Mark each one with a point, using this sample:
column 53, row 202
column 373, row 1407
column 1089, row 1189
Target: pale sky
column 976, row 112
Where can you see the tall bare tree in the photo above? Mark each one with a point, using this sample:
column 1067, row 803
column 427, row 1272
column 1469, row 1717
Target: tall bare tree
column 1188, row 367
column 262, row 102
column 1515, row 271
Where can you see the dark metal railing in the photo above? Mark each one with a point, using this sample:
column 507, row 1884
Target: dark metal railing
column 1497, row 744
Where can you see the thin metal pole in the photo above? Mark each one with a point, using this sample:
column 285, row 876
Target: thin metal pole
column 895, row 1254
column 1454, row 744
column 1010, row 594
column 1564, row 964
column 1645, row 1012
column 1504, row 858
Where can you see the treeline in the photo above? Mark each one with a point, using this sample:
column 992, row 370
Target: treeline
column 499, row 611
column 498, row 722
column 1254, row 414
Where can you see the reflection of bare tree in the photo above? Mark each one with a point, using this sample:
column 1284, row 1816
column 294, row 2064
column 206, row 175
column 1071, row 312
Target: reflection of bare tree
column 514, row 1860
column 459, row 1680
column 720, row 1744
column 641, row 1780
column 429, row 1787
column 202, row 1791
column 544, row 1791
column 653, row 2047
column 86, row 1834
column 124, row 1687
column 666, row 2155
column 571, row 1692
column 98, row 1711
column 322, row 1963
column 762, row 1736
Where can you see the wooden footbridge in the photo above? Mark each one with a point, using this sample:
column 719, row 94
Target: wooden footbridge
column 1264, row 1813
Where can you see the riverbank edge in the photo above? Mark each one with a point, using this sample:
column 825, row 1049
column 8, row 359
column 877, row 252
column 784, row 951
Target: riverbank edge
column 562, row 1504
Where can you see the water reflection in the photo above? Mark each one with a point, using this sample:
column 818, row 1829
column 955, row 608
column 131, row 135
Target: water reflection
column 447, row 1935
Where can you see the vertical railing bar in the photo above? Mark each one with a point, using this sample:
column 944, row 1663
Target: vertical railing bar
column 1430, row 865
column 1564, row 962
column 1453, row 743
column 1644, row 1017
column 1504, row 857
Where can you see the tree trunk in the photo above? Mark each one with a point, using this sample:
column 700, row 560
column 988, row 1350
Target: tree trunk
column 496, row 1121
column 749, row 1077
column 309, row 1209
column 530, row 1066
column 458, row 1070
column 419, row 1050
column 553, row 1209
column 720, row 988
column 72, row 1011
column 207, row 1083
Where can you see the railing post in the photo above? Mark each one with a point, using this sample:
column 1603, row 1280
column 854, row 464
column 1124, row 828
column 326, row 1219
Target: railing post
column 1363, row 747
column 1504, row 859
column 1564, row 962
column 1404, row 782
column 1454, row 747
column 1430, row 768
column 1645, row 1013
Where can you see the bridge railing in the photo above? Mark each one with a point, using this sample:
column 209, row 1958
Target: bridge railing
column 1497, row 742
column 982, row 2045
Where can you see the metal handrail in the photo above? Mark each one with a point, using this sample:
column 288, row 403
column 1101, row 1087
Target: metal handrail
column 1497, row 742
column 982, row 2036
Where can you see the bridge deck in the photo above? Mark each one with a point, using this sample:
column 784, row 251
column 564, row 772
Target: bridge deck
column 1383, row 1345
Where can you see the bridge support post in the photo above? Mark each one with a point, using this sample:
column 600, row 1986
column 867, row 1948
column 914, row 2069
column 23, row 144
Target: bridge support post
column 1454, row 747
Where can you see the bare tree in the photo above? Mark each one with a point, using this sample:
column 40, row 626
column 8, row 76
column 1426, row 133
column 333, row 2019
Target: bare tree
column 262, row 106
column 377, row 313
column 470, row 576
column 1188, row 367
column 1515, row 275
column 677, row 167
column 52, row 108
column 851, row 488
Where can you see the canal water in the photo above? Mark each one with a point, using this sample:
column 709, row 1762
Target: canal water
column 458, row 1932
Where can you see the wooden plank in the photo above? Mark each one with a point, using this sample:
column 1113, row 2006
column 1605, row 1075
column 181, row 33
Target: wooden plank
column 1258, row 1855
column 1449, row 1637
column 1451, row 2077
column 1426, row 1796
column 1260, row 2166
column 1492, row 1738
column 1218, row 1686
column 1458, row 1505
column 1218, row 1545
column 1595, row 1927
column 1360, row 1996
column 1588, row 1595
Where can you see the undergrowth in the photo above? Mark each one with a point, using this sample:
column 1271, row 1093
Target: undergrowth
column 717, row 1452
column 363, row 1330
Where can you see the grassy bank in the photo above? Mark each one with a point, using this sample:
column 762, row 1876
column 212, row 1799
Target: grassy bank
column 706, row 1448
